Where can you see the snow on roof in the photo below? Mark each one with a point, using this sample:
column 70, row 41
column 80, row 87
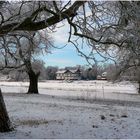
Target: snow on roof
column 68, row 70
column 61, row 71
column 73, row 71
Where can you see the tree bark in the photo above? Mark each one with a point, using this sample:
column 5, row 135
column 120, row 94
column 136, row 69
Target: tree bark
column 33, row 82
column 5, row 124
column 139, row 87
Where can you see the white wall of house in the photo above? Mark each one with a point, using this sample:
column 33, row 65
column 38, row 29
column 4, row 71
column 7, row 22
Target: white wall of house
column 68, row 76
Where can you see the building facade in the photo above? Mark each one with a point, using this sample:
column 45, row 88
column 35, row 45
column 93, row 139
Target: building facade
column 68, row 74
column 103, row 76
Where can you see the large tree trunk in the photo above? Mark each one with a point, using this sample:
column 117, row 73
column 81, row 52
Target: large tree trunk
column 5, row 125
column 33, row 79
column 139, row 87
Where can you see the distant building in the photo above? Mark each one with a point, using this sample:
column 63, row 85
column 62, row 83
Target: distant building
column 103, row 76
column 68, row 74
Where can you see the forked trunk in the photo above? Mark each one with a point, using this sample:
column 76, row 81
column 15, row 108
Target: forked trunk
column 5, row 125
column 33, row 82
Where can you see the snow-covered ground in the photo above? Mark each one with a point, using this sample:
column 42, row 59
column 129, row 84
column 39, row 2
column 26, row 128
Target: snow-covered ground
column 44, row 116
column 81, row 109
column 96, row 85
column 79, row 89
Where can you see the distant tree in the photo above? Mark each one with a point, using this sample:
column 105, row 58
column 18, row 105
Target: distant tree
column 51, row 73
column 21, row 74
column 89, row 73
column 110, row 69
column 92, row 73
column 84, row 74
column 18, row 75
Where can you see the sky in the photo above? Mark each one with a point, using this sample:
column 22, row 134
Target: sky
column 67, row 56
column 64, row 57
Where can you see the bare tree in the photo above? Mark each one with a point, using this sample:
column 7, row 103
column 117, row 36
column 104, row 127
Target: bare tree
column 35, row 15
column 17, row 51
column 22, row 48
column 105, row 25
column 31, row 16
column 128, row 54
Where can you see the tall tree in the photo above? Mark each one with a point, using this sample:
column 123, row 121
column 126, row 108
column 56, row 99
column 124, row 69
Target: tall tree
column 22, row 48
column 101, row 23
column 31, row 16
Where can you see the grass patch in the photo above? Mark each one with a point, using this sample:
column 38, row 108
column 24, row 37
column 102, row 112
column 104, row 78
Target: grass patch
column 33, row 122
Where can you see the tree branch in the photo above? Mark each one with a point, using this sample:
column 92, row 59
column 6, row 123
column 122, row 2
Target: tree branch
column 29, row 25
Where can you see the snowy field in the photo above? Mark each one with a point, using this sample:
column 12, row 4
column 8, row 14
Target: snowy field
column 81, row 109
column 79, row 89
column 43, row 116
column 96, row 85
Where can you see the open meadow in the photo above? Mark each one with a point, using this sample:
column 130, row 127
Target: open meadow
column 90, row 109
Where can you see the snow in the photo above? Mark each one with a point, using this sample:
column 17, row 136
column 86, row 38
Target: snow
column 81, row 109
column 43, row 116
column 79, row 89
column 81, row 85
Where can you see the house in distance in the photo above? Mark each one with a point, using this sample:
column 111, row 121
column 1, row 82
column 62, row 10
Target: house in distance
column 68, row 74
column 103, row 76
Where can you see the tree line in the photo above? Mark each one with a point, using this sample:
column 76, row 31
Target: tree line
column 87, row 72
column 49, row 72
